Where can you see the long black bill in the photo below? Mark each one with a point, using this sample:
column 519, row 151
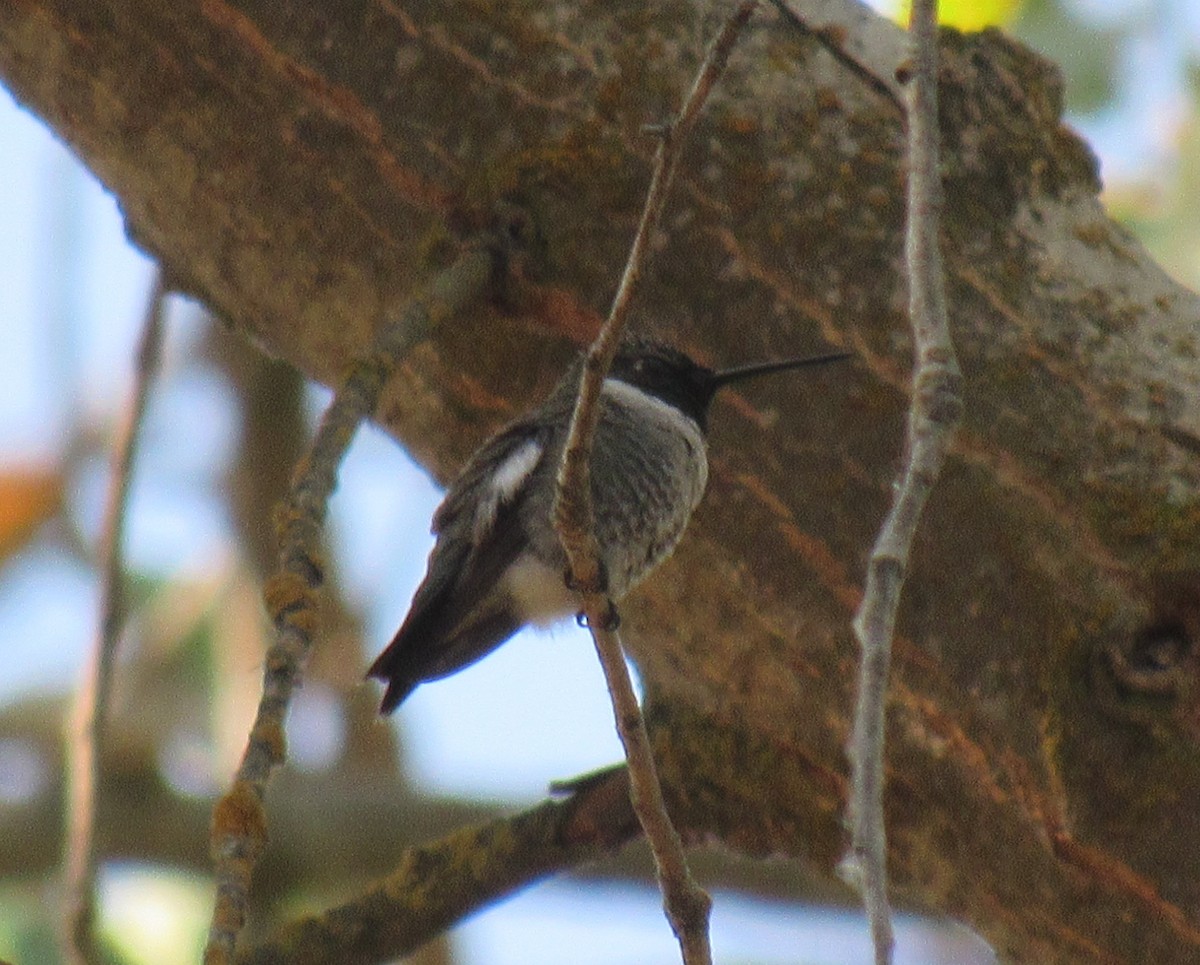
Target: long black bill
column 727, row 376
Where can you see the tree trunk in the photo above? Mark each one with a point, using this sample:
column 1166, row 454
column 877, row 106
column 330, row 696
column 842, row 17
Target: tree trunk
column 299, row 165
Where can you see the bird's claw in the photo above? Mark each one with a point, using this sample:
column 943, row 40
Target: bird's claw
column 608, row 622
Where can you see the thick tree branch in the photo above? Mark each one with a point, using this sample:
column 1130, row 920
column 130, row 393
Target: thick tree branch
column 1032, row 693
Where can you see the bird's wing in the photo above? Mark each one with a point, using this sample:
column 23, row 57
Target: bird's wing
column 479, row 536
column 492, row 478
column 478, row 525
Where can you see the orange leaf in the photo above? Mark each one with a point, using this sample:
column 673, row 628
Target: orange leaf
column 29, row 496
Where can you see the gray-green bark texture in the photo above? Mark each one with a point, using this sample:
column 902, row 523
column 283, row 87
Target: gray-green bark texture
column 299, row 165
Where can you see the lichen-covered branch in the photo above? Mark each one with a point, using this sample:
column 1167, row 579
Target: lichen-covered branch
column 239, row 830
column 437, row 885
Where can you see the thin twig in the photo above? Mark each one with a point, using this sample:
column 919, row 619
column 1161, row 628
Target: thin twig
column 685, row 903
column 573, row 505
column 90, row 714
column 856, row 37
column 239, row 824
column 933, row 417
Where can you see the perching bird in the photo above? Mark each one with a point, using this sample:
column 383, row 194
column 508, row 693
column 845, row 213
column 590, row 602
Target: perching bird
column 497, row 564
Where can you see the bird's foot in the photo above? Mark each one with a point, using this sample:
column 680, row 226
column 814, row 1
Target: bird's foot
column 608, row 622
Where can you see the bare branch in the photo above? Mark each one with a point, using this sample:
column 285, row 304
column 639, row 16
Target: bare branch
column 573, row 505
column 685, row 903
column 239, row 823
column 934, row 414
column 90, row 714
column 869, row 46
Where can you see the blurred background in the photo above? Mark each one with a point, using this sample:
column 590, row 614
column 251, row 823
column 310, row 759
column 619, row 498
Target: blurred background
column 222, row 429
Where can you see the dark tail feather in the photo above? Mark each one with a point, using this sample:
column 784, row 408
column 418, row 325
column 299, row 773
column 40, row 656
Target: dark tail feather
column 389, row 668
column 410, row 660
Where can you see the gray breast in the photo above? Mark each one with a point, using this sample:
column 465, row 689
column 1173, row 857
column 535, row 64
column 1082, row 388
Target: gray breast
column 648, row 474
column 649, row 471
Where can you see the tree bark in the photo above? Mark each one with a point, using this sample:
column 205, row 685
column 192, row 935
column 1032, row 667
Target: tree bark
column 298, row 165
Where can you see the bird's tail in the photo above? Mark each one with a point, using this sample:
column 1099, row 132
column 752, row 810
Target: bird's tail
column 389, row 667
column 412, row 659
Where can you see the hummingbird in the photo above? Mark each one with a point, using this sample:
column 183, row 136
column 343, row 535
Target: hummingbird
column 497, row 564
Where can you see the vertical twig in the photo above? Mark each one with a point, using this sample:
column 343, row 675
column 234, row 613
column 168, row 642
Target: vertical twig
column 934, row 413
column 573, row 505
column 685, row 903
column 239, row 824
column 85, row 742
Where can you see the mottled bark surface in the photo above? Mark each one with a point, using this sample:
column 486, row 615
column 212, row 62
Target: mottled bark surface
column 299, row 165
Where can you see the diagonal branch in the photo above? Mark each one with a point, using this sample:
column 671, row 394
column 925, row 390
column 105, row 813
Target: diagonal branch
column 239, row 824
column 437, row 885
column 573, row 505
column 90, row 714
column 868, row 45
column 934, row 414
column 685, row 903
